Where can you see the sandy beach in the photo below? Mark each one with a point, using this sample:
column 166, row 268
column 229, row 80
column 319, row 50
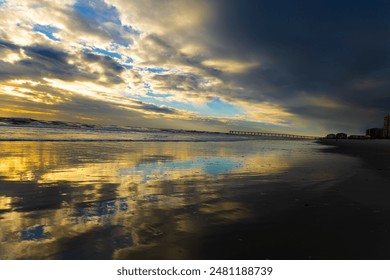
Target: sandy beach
column 346, row 219
column 360, row 211
column 370, row 185
column 217, row 200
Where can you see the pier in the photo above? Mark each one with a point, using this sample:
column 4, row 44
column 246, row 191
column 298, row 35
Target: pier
column 269, row 134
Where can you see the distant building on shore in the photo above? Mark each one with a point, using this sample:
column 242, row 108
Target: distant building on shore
column 378, row 133
column 341, row 135
column 386, row 126
column 358, row 137
column 331, row 136
column 375, row 133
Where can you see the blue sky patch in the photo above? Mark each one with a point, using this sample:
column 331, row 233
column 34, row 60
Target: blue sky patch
column 128, row 63
column 47, row 30
column 153, row 99
column 106, row 53
column 151, row 94
column 217, row 107
column 131, row 30
column 156, row 69
column 97, row 11
column 127, row 66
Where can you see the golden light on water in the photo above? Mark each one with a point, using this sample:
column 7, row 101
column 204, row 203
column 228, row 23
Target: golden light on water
column 56, row 193
column 41, row 162
column 5, row 203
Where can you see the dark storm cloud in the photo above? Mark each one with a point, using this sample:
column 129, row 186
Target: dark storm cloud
column 47, row 100
column 42, row 61
column 157, row 109
column 159, row 51
column 111, row 68
column 181, row 82
column 105, row 61
column 49, row 55
column 7, row 45
column 337, row 49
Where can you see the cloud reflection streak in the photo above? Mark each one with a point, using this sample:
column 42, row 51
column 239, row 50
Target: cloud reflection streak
column 100, row 200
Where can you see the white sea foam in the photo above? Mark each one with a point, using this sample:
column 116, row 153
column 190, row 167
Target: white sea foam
column 63, row 132
column 22, row 129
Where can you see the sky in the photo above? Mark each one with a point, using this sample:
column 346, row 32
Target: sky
column 304, row 67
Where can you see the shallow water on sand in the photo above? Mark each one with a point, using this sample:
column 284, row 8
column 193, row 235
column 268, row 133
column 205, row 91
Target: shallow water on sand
column 153, row 200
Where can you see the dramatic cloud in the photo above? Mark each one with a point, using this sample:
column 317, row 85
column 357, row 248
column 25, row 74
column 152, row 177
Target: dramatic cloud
column 323, row 61
column 297, row 66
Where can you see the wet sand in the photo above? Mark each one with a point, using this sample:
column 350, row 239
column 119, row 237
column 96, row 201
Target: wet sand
column 261, row 200
column 370, row 186
column 346, row 219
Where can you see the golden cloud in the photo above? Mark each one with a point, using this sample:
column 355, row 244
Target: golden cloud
column 230, row 66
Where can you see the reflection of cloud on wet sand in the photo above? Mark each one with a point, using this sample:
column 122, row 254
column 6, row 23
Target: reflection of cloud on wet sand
column 60, row 196
column 50, row 162
column 5, row 203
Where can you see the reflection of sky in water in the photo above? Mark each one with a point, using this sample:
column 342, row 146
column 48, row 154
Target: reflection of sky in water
column 34, row 233
column 93, row 211
column 204, row 165
column 110, row 200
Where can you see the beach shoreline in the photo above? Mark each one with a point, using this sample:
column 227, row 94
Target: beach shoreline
column 369, row 185
column 374, row 153
column 345, row 220
column 266, row 200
